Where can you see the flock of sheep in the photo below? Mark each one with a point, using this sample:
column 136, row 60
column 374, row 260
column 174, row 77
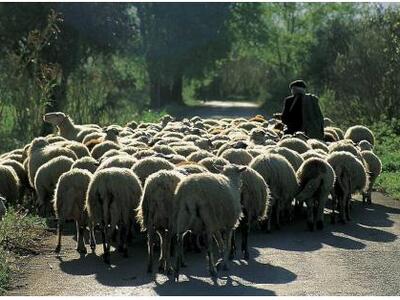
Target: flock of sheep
column 194, row 182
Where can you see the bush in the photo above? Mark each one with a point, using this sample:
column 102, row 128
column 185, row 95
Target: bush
column 20, row 234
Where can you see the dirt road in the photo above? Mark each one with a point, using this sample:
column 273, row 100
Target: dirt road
column 360, row 258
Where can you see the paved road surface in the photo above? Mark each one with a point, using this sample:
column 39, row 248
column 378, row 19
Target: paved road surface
column 360, row 258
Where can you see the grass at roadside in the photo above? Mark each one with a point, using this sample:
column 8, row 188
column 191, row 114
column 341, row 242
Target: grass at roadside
column 20, row 234
column 388, row 149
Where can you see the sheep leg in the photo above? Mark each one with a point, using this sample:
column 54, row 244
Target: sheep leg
column 233, row 246
column 80, row 247
column 150, row 248
column 245, row 229
column 123, row 247
column 310, row 214
column 320, row 214
column 333, row 214
column 165, row 253
column 106, row 244
column 348, row 208
column 179, row 251
column 92, row 239
column 210, row 254
column 277, row 214
column 59, row 233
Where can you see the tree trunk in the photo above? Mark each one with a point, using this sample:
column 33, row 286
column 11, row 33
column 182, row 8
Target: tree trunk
column 155, row 97
column 57, row 100
column 176, row 92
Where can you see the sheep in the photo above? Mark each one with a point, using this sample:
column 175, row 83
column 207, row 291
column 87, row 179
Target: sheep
column 100, row 149
column 374, row 168
column 295, row 144
column 351, row 177
column 41, row 152
column 280, row 177
column 112, row 197
column 144, row 153
column 86, row 163
column 185, row 150
column 46, row 180
column 316, row 144
column 94, row 136
column 316, row 179
column 199, row 155
column 332, row 133
column 212, row 163
column 69, row 204
column 358, row 133
column 155, row 213
column 312, row 154
column 149, row 165
column 172, row 158
column 201, row 200
column 255, row 197
column 190, row 168
column 3, row 209
column 67, row 128
column 163, row 149
column 336, row 130
column 344, row 145
column 365, row 146
column 292, row 156
column 79, row 149
column 119, row 161
column 237, row 156
column 328, row 122
column 9, row 184
column 21, row 173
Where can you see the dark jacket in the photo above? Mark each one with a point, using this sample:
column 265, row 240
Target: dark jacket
column 302, row 113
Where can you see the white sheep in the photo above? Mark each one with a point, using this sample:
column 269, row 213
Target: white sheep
column 292, row 156
column 199, row 155
column 255, row 197
column 155, row 213
column 119, row 161
column 351, row 177
column 374, row 168
column 281, row 179
column 3, row 209
column 295, row 144
column 40, row 152
column 67, row 128
column 46, row 180
column 212, row 164
column 112, row 197
column 316, row 180
column 201, row 200
column 86, row 163
column 149, row 165
column 358, row 133
column 237, row 156
column 9, row 184
column 69, row 204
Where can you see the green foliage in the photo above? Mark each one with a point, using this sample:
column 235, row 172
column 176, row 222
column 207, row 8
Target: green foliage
column 20, row 234
column 387, row 147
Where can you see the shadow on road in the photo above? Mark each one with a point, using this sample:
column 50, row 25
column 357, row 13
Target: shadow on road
column 196, row 287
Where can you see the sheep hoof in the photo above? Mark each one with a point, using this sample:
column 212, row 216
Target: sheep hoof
column 161, row 269
column 213, row 273
column 58, row 249
column 320, row 225
column 221, row 266
column 93, row 247
column 246, row 255
column 176, row 276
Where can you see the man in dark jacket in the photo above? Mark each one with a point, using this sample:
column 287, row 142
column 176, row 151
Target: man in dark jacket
column 301, row 112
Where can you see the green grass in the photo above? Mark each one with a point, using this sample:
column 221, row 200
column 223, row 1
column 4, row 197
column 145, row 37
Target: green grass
column 387, row 147
column 20, row 234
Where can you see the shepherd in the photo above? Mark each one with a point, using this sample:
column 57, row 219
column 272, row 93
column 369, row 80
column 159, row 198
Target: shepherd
column 301, row 112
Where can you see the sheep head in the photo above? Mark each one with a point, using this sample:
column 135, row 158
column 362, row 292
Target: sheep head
column 55, row 118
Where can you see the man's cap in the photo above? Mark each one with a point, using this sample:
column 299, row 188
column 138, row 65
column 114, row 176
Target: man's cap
column 298, row 83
